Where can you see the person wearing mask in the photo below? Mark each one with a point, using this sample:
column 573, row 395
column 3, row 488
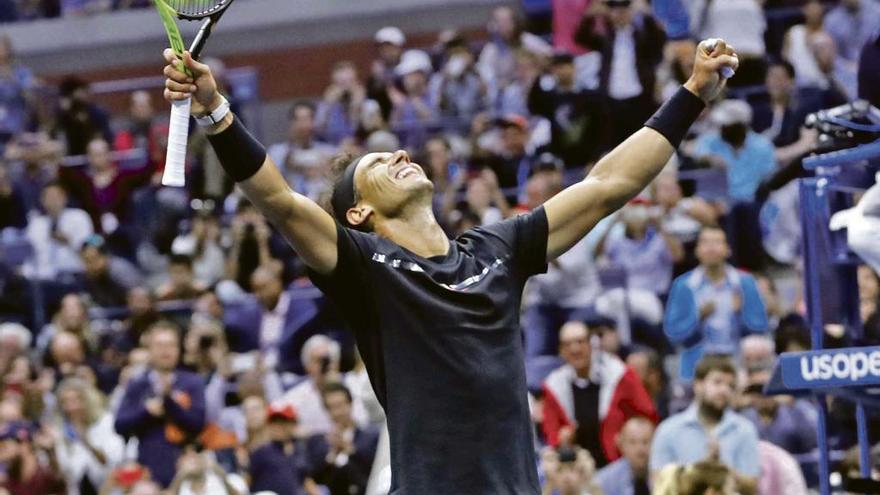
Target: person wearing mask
column 588, row 400
column 629, row 475
column 164, row 407
column 389, row 42
column 414, row 107
column 709, row 428
column 87, row 447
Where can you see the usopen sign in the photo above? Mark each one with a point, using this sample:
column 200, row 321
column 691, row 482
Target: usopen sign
column 847, row 367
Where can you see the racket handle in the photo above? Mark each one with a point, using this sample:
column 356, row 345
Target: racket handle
column 178, row 134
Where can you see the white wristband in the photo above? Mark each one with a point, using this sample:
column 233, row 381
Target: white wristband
column 215, row 116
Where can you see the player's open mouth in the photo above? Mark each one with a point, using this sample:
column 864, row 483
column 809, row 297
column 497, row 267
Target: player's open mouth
column 406, row 172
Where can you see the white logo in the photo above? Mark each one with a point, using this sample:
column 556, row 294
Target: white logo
column 842, row 366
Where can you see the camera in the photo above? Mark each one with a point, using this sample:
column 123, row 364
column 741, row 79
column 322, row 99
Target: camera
column 566, row 454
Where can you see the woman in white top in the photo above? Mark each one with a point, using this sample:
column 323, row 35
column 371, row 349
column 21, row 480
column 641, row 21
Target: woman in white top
column 741, row 23
column 798, row 46
column 87, row 446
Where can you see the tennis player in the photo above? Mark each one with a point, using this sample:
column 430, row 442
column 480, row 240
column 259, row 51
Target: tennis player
column 437, row 320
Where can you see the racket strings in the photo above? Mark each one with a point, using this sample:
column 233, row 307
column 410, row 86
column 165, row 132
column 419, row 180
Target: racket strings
column 195, row 7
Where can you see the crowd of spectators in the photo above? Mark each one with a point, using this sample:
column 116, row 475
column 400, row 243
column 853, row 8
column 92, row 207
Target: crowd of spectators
column 168, row 341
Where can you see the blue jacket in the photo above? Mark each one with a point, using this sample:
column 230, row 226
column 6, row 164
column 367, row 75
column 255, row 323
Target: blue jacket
column 352, row 477
column 682, row 324
column 184, row 412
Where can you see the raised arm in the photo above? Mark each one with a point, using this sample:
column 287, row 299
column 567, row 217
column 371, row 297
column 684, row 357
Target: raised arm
column 309, row 229
column 633, row 164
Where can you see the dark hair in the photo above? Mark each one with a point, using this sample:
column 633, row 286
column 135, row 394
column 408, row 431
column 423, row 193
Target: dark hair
column 786, row 65
column 301, row 104
column 70, row 84
column 335, row 387
column 714, row 362
column 165, row 325
column 336, row 174
column 707, row 228
column 95, row 241
column 181, row 260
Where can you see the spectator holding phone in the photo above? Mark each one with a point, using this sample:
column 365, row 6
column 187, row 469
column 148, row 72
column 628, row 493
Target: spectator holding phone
column 87, row 446
column 568, row 471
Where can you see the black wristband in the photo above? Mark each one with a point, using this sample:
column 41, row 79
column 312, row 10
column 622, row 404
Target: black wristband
column 240, row 154
column 676, row 116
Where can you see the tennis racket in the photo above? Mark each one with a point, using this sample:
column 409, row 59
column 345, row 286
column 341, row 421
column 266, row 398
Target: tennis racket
column 178, row 132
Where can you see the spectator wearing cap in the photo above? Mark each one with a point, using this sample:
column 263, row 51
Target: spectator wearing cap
column 26, row 471
column 457, row 87
column 576, row 114
column 164, row 407
column 339, row 112
column 631, row 46
column 507, row 34
column 589, row 399
column 629, row 475
column 281, row 464
column 414, row 109
column 571, row 283
column 106, row 278
column 57, row 234
column 390, row 42
column 747, row 156
column 713, row 306
column 851, row 24
column 343, row 458
column 710, row 427
column 302, row 157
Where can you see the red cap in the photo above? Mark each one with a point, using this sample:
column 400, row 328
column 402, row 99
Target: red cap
column 281, row 411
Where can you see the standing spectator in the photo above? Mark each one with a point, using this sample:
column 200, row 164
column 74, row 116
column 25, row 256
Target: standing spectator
column 629, row 475
column 713, row 306
column 589, row 399
column 87, row 447
column 182, row 284
column 106, row 278
column 27, row 473
column 780, row 117
column 851, row 24
column 280, row 465
column 57, row 234
column 514, row 98
column 648, row 364
column 566, row 17
column 302, row 156
column 709, row 427
column 320, row 358
column 681, row 217
column 571, row 283
column 740, row 23
column 164, row 407
column 631, row 48
column 342, row 458
column 80, row 120
column 389, row 42
column 338, row 113
column 798, row 41
column 16, row 84
column 506, row 34
column 457, row 88
column 414, row 111
column 578, row 126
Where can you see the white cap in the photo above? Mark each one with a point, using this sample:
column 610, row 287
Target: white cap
column 413, row 61
column 730, row 112
column 390, row 34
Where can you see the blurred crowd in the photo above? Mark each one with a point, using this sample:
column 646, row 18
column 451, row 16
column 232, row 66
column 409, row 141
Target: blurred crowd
column 167, row 341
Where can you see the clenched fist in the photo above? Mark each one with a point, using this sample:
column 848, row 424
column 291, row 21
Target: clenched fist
column 712, row 55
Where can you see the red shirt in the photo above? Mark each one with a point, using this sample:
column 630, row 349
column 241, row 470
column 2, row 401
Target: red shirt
column 43, row 482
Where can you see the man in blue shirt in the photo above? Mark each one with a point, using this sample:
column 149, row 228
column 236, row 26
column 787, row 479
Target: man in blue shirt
column 629, row 474
column 709, row 428
column 711, row 307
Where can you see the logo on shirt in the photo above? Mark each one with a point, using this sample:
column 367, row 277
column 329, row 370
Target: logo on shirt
column 413, row 267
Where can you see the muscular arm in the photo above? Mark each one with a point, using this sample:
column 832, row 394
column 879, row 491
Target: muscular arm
column 629, row 167
column 307, row 227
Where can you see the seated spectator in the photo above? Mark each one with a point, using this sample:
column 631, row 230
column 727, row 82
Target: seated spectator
column 851, row 24
column 413, row 111
column 710, row 428
column 482, row 197
column 182, row 284
column 72, row 317
column 202, row 245
column 254, row 410
column 757, row 356
column 681, row 217
column 342, row 459
column 780, row 471
column 106, row 278
column 199, row 474
column 840, row 77
column 780, row 117
column 713, row 306
column 589, row 399
column 280, row 465
column 513, row 160
column 87, row 447
column 629, row 475
column 338, row 113
column 68, row 357
column 142, row 314
column 568, row 471
column 648, row 364
column 746, row 156
column 57, row 234
column 514, row 97
column 24, row 453
column 707, row 477
column 781, row 420
column 441, row 165
column 164, row 408
column 302, row 156
column 12, row 207
column 320, row 358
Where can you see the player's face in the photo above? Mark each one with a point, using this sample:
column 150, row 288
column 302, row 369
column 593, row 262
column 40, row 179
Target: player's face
column 390, row 181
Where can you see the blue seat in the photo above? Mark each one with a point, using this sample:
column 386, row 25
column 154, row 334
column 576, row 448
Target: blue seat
column 15, row 252
column 533, row 8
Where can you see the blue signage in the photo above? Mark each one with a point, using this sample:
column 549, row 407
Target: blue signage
column 847, row 367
